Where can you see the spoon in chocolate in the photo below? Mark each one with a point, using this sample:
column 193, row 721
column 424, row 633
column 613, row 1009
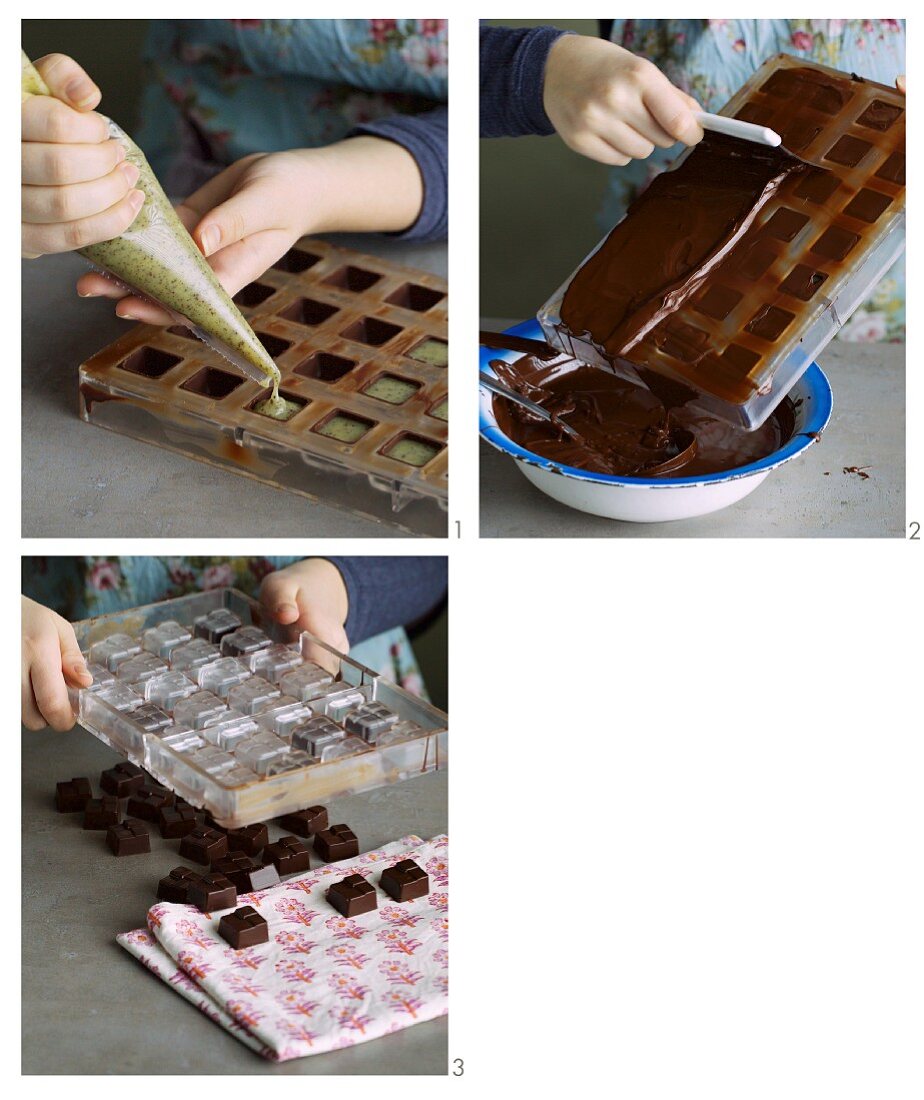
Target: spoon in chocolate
column 492, row 385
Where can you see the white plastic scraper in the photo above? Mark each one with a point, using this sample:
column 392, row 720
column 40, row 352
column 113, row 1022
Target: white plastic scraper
column 157, row 259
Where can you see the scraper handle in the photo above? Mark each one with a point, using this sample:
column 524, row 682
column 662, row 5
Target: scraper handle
column 734, row 127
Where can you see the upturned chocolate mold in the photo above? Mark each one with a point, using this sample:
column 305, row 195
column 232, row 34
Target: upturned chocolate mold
column 363, row 369
column 724, row 265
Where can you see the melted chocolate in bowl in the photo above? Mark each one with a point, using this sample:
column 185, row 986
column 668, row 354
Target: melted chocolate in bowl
column 626, row 429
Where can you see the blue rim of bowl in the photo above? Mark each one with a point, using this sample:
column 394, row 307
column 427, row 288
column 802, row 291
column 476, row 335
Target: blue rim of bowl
column 819, row 392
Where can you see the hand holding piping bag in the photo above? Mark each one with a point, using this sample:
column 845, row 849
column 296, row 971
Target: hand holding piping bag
column 250, row 214
column 612, row 106
column 310, row 595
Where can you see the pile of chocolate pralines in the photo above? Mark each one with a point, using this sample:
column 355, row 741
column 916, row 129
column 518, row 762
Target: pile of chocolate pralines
column 232, row 856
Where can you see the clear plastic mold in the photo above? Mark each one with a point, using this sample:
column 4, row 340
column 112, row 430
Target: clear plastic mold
column 306, row 682
column 162, row 640
column 222, row 675
column 253, row 695
column 226, row 761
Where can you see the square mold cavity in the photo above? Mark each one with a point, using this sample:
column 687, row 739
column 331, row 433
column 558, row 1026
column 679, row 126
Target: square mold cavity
column 432, row 351
column 440, row 410
column 150, row 362
column 372, row 331
column 212, row 382
column 353, row 278
column 413, row 450
column 295, row 261
column 325, row 366
column 254, row 294
column 274, row 345
column 415, row 297
column 344, row 426
column 292, row 398
column 182, row 330
column 306, row 311
column 391, row 388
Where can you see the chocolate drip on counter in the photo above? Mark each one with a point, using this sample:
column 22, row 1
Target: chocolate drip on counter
column 674, row 233
column 626, row 429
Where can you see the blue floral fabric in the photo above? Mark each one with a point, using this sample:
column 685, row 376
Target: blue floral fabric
column 711, row 58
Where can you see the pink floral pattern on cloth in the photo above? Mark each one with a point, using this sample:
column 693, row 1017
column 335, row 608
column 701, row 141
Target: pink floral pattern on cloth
column 323, row 981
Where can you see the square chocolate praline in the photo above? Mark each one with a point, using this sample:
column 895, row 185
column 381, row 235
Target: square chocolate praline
column 176, row 821
column 204, row 845
column 405, row 881
column 147, row 802
column 352, row 896
column 247, row 874
column 288, row 855
column 175, row 886
column 336, row 843
column 305, row 822
column 249, row 840
column 131, row 838
column 72, row 796
column 100, row 813
column 243, row 928
column 211, row 892
column 122, row 780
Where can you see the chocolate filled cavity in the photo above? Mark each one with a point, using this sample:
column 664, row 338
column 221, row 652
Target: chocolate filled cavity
column 307, row 822
column 867, row 205
column 880, row 116
column 336, row 843
column 835, row 243
column 243, row 928
column 405, row 881
column 803, row 282
column 129, row 838
column 72, row 795
column 352, row 896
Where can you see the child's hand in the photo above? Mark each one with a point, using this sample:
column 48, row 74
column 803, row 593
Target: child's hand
column 253, row 212
column 51, row 659
column 310, row 595
column 612, row 106
column 76, row 183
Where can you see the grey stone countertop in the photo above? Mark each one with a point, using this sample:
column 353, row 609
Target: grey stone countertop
column 88, row 1007
column 81, row 481
column 810, row 497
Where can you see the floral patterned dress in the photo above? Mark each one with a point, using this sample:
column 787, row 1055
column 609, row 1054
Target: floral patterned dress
column 711, row 58
column 225, row 88
column 83, row 587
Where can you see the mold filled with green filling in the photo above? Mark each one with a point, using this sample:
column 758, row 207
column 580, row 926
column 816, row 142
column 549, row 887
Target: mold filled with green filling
column 391, row 389
column 278, row 408
column 412, row 450
column 346, row 429
column 441, row 411
column 432, row 351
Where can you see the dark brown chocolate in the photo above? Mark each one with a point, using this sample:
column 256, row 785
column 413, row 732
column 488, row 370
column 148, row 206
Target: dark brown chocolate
column 204, row 845
column 243, row 928
column 336, row 843
column 100, row 813
column 122, row 780
column 211, row 892
column 405, row 881
column 131, row 838
column 176, row 820
column 352, row 896
column 288, row 855
column 72, row 795
column 305, row 822
column 249, row 840
column 175, row 886
column 147, row 802
column 247, row 874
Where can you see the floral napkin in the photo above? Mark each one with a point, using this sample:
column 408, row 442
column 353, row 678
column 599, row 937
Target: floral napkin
column 322, row 981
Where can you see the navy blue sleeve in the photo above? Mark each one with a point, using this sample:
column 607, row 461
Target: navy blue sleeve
column 388, row 592
column 426, row 138
column 512, row 66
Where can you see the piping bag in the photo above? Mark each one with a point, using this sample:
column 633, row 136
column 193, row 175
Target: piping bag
column 157, row 259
